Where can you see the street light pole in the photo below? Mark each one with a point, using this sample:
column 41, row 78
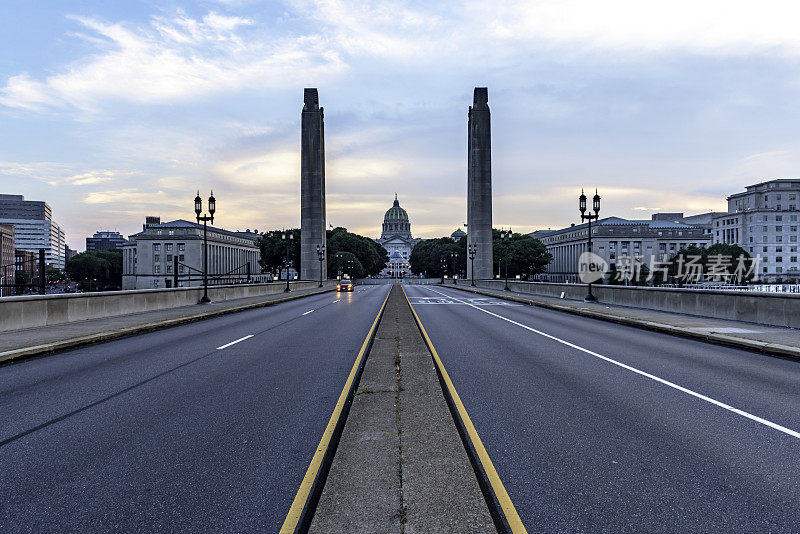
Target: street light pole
column 584, row 217
column 473, row 250
column 287, row 239
column 198, row 209
column 504, row 237
column 320, row 256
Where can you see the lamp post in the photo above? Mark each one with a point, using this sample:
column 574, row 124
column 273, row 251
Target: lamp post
column 506, row 237
column 443, row 262
column 584, row 217
column 287, row 237
column 320, row 256
column 473, row 251
column 198, row 209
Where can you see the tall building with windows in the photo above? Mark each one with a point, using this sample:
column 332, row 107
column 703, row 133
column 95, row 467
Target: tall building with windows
column 105, row 241
column 7, row 260
column 34, row 227
column 397, row 240
column 148, row 257
column 764, row 221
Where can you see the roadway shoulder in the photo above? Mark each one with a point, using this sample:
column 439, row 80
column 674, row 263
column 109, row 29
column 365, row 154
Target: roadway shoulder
column 146, row 326
column 604, row 315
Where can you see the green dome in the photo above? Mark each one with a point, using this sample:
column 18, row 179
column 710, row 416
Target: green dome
column 396, row 213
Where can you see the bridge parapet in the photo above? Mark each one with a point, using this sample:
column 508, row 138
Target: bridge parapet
column 42, row 310
column 774, row 309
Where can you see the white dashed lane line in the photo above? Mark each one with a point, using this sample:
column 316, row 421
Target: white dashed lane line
column 234, row 342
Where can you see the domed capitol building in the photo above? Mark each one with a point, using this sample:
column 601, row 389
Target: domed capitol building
column 396, row 239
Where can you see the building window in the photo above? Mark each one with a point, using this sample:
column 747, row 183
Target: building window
column 181, row 247
column 779, row 228
column 169, row 269
column 156, row 247
column 157, row 269
column 172, row 232
column 156, row 258
column 181, row 257
column 168, row 247
column 169, row 258
column 779, row 218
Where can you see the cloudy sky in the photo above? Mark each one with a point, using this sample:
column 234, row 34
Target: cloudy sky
column 111, row 111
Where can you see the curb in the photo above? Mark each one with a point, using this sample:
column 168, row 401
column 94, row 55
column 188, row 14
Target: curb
column 36, row 350
column 775, row 349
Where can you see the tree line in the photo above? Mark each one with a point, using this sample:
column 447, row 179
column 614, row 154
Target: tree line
column 349, row 254
column 523, row 255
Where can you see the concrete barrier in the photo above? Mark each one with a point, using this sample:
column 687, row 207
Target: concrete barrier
column 42, row 310
column 774, row 309
column 409, row 281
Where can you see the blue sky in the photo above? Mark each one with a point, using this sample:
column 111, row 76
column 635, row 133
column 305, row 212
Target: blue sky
column 115, row 110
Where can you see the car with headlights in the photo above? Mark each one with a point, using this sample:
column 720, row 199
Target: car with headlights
column 344, row 285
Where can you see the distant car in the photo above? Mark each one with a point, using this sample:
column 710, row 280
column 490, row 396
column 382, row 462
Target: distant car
column 344, row 285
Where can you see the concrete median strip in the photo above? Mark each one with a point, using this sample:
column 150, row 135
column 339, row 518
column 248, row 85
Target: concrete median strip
column 606, row 314
column 145, row 326
column 400, row 464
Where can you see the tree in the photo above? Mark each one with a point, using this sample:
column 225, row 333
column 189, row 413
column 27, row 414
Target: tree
column 345, row 264
column 722, row 257
column 99, row 270
column 438, row 257
column 54, row 275
column 273, row 250
column 526, row 255
column 371, row 255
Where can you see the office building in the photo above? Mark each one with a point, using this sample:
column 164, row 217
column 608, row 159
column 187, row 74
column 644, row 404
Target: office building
column 105, row 241
column 148, row 257
column 764, row 221
column 34, row 227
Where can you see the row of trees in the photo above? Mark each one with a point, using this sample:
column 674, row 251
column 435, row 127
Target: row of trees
column 97, row 270
column 688, row 266
column 348, row 253
column 525, row 255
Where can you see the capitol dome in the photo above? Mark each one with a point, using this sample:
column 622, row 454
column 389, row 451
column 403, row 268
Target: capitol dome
column 396, row 213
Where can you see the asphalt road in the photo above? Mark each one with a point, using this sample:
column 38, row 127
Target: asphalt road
column 598, row 427
column 168, row 431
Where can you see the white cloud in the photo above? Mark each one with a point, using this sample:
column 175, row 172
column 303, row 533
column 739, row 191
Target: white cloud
column 171, row 59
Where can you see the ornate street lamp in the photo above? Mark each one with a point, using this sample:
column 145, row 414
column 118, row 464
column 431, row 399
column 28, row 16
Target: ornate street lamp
column 584, row 217
column 205, row 219
column 473, row 251
column 506, row 237
column 320, row 257
column 287, row 237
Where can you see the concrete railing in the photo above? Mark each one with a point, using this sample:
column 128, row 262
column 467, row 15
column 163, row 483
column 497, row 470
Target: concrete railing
column 42, row 310
column 384, row 281
column 775, row 309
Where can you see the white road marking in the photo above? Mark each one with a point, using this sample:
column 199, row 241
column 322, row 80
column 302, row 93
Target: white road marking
column 234, row 342
column 309, row 311
column 673, row 385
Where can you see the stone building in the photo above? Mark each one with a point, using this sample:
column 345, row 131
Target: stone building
column 764, row 221
column 614, row 238
column 397, row 240
column 148, row 257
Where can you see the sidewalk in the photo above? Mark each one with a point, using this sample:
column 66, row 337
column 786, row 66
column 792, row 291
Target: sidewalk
column 40, row 340
column 751, row 336
column 400, row 465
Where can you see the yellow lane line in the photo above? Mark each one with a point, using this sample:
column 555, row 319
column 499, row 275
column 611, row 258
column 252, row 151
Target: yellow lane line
column 292, row 520
column 509, row 511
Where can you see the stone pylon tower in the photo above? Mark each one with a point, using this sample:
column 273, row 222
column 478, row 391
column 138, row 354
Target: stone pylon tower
column 479, row 186
column 312, row 187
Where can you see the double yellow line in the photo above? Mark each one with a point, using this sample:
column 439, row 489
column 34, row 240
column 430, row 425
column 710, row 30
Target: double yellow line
column 296, row 515
column 506, row 506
